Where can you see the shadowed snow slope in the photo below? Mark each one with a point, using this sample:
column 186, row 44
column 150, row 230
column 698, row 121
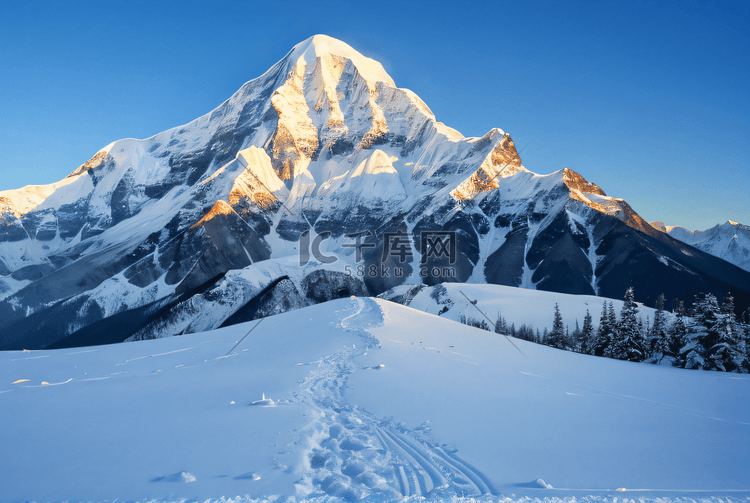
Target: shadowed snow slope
column 373, row 399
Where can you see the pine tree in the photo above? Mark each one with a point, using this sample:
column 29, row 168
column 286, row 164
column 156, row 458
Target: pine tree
column 612, row 316
column 723, row 345
column 556, row 338
column 677, row 335
column 658, row 338
column 604, row 333
column 586, row 341
column 575, row 340
column 702, row 332
column 745, row 326
column 628, row 342
column 643, row 331
column 501, row 326
column 714, row 341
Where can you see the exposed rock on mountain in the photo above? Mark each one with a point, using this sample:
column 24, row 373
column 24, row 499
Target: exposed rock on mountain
column 316, row 180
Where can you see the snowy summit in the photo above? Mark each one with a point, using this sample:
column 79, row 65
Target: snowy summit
column 323, row 46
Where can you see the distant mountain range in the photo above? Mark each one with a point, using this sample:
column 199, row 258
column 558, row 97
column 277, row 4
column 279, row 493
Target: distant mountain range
column 317, row 180
column 730, row 240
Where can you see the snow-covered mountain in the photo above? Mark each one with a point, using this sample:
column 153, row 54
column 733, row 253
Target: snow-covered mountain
column 729, row 241
column 366, row 399
column 317, row 180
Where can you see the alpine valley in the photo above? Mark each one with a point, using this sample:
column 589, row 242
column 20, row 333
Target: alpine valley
column 318, row 180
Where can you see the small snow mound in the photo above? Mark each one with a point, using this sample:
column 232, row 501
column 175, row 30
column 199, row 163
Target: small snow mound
column 184, row 477
column 248, row 476
column 264, row 402
column 541, row 483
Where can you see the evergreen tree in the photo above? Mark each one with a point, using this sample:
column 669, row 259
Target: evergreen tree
column 745, row 328
column 501, row 327
column 575, row 340
column 702, row 333
column 628, row 343
column 658, row 338
column 614, row 342
column 723, row 345
column 678, row 337
column 612, row 316
column 643, row 331
column 604, row 333
column 586, row 339
column 557, row 337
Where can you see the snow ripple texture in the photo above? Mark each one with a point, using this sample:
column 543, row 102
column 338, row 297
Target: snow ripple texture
column 462, row 499
column 355, row 455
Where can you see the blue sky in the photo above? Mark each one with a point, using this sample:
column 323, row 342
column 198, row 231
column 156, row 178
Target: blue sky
column 649, row 100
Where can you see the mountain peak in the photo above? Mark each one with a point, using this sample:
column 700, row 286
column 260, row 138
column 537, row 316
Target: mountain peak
column 320, row 45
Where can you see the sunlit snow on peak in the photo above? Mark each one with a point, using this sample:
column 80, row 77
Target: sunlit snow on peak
column 319, row 45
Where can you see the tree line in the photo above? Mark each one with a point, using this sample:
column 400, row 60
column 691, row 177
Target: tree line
column 709, row 336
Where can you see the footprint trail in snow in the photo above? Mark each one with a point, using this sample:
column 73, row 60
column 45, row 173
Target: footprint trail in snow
column 353, row 454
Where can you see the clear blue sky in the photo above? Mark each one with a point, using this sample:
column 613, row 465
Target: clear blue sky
column 649, row 100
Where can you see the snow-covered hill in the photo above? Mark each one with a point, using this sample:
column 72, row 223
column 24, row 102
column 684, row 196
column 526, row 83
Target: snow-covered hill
column 324, row 163
column 729, row 241
column 364, row 398
column 518, row 306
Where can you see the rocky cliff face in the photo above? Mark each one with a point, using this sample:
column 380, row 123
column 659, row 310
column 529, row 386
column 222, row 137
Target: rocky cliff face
column 318, row 179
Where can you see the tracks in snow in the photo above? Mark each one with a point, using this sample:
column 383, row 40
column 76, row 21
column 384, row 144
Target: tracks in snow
column 353, row 454
column 420, row 467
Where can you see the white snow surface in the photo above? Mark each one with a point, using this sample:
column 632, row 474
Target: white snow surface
column 320, row 45
column 372, row 400
column 519, row 306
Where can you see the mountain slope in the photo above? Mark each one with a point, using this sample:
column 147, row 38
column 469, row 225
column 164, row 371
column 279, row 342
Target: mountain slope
column 319, row 164
column 363, row 398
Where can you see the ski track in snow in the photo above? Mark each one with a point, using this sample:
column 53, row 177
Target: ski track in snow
column 354, row 454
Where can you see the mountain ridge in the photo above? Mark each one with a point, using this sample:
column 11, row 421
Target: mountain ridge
column 729, row 241
column 319, row 151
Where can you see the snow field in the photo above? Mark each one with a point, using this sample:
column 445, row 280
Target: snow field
column 580, row 423
column 374, row 401
column 518, row 306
